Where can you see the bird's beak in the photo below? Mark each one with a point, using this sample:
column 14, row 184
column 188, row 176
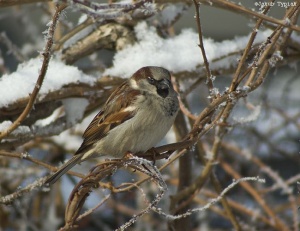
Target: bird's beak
column 163, row 87
column 164, row 84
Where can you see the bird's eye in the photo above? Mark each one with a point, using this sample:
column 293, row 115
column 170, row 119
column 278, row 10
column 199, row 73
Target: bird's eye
column 151, row 80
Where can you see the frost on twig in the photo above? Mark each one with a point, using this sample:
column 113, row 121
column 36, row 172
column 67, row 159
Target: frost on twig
column 83, row 189
column 21, row 191
column 114, row 10
column 254, row 114
column 41, row 75
column 212, row 202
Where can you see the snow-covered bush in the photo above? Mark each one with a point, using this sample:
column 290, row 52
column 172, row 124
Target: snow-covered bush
column 239, row 119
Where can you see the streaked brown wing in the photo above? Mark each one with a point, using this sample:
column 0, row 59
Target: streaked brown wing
column 113, row 114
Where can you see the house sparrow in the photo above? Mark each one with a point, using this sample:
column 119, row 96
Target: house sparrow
column 136, row 116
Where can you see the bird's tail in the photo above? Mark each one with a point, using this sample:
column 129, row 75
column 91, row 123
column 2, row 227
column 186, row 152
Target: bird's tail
column 63, row 169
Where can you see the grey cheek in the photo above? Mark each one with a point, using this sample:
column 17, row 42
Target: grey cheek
column 172, row 107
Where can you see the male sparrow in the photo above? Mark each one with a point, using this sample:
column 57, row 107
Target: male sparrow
column 136, row 116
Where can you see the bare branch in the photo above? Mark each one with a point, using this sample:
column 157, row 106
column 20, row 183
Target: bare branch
column 47, row 55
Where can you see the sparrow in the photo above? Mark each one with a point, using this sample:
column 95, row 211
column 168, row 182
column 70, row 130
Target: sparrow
column 135, row 117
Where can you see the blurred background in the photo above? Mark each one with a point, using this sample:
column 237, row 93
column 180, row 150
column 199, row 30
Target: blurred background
column 261, row 139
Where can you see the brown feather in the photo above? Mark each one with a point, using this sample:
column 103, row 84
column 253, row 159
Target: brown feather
column 112, row 115
column 63, row 169
column 120, row 108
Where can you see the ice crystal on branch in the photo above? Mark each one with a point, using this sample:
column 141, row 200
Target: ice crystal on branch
column 149, row 8
column 113, row 10
column 276, row 57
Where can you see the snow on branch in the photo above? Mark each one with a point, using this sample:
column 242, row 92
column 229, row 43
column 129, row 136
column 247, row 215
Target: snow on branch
column 151, row 49
column 46, row 55
column 18, row 84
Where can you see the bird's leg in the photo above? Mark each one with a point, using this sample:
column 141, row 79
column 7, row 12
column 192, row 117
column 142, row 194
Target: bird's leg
column 154, row 154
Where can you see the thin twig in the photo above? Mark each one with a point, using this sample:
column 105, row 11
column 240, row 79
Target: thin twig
column 235, row 81
column 279, row 224
column 213, row 201
column 201, row 45
column 11, row 47
column 241, row 9
column 47, row 55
